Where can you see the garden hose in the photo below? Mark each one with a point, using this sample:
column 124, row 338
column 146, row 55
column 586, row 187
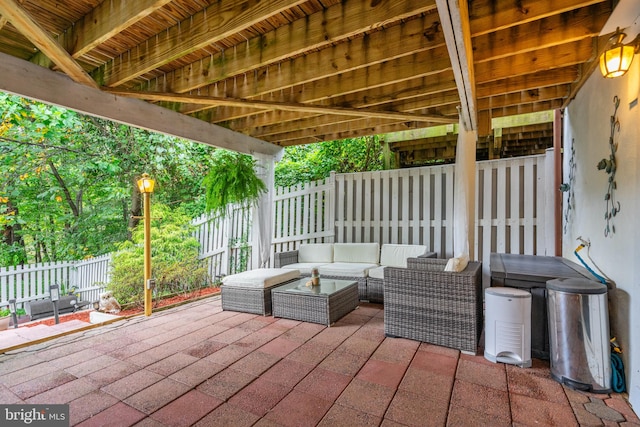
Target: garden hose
column 617, row 374
column 597, row 276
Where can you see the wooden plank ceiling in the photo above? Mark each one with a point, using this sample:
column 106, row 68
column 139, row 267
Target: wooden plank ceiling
column 296, row 72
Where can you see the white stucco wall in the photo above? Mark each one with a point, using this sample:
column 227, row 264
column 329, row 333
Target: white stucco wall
column 587, row 126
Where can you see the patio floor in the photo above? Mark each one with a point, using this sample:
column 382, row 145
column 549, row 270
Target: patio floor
column 198, row 365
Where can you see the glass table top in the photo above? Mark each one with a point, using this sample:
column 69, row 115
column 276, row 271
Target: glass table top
column 326, row 286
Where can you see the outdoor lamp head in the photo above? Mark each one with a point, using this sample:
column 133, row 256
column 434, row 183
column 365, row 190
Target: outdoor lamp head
column 145, row 184
column 12, row 305
column 54, row 292
column 616, row 60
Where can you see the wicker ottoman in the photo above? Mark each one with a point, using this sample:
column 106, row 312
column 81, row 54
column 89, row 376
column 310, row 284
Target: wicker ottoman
column 250, row 291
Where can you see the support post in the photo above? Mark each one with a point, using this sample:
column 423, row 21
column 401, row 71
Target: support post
column 147, row 255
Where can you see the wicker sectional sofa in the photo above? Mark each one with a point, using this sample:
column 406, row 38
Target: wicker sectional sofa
column 360, row 262
column 425, row 303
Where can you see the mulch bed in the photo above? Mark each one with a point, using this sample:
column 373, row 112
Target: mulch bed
column 164, row 302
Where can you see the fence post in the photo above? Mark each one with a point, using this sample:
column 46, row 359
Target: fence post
column 549, row 219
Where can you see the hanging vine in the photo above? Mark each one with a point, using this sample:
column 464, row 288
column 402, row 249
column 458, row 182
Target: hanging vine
column 568, row 187
column 609, row 166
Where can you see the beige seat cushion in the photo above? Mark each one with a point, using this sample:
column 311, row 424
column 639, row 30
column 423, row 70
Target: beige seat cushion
column 260, row 277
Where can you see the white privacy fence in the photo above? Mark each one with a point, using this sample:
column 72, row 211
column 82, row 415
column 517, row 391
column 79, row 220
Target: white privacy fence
column 513, row 214
column 513, row 210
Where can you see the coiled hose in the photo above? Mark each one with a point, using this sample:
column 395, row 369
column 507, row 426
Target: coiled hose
column 617, row 374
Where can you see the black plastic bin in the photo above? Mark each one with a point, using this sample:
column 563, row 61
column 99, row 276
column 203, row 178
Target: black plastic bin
column 531, row 273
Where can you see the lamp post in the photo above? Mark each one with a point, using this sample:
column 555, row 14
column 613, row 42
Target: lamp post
column 54, row 294
column 145, row 185
column 14, row 314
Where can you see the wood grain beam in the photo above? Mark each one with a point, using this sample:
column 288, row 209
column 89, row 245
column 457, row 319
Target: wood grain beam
column 559, row 76
column 525, row 97
column 540, row 60
column 22, row 21
column 455, row 24
column 106, row 20
column 320, row 30
column 286, row 106
column 280, row 120
column 218, row 21
column 421, row 64
column 548, row 32
column 372, row 130
column 32, row 81
column 327, row 124
column 492, row 15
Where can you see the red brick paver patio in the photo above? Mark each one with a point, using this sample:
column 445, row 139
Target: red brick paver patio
column 198, row 365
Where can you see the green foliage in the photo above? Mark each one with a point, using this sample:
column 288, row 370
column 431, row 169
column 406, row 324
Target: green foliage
column 174, row 259
column 313, row 162
column 6, row 312
column 231, row 179
column 68, row 180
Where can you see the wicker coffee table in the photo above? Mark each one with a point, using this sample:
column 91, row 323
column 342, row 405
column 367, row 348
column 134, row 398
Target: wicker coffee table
column 325, row 303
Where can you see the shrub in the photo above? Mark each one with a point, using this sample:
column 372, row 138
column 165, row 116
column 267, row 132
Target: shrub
column 174, row 259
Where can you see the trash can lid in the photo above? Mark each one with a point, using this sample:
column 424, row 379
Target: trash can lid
column 507, row 292
column 576, row 286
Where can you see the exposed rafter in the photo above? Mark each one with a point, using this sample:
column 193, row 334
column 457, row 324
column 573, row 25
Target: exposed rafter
column 108, row 19
column 454, row 16
column 285, row 106
column 14, row 13
column 32, row 81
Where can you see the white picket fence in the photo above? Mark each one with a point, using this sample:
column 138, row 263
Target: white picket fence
column 30, row 282
column 514, row 214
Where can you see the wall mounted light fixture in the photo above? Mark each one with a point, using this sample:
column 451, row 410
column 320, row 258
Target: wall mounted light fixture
column 616, row 59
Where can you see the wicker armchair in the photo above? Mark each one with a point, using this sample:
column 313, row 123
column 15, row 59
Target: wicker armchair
column 425, row 303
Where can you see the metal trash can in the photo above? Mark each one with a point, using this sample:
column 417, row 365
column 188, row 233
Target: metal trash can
column 579, row 334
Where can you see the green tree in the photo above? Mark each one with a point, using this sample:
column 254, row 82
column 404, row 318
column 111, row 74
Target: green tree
column 316, row 161
column 69, row 189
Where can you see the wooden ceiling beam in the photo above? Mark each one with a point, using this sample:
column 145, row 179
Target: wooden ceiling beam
column 548, row 32
column 559, row 76
column 492, row 15
column 454, row 16
column 524, row 97
column 32, row 81
column 335, row 136
column 351, row 63
column 218, row 21
column 325, row 124
column 22, row 21
column 286, row 106
column 108, row 19
column 423, row 86
column 336, row 24
column 421, row 64
column 545, row 59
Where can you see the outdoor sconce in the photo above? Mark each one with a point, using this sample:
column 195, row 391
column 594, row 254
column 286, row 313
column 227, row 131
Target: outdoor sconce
column 145, row 185
column 14, row 314
column 616, row 60
column 54, row 294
